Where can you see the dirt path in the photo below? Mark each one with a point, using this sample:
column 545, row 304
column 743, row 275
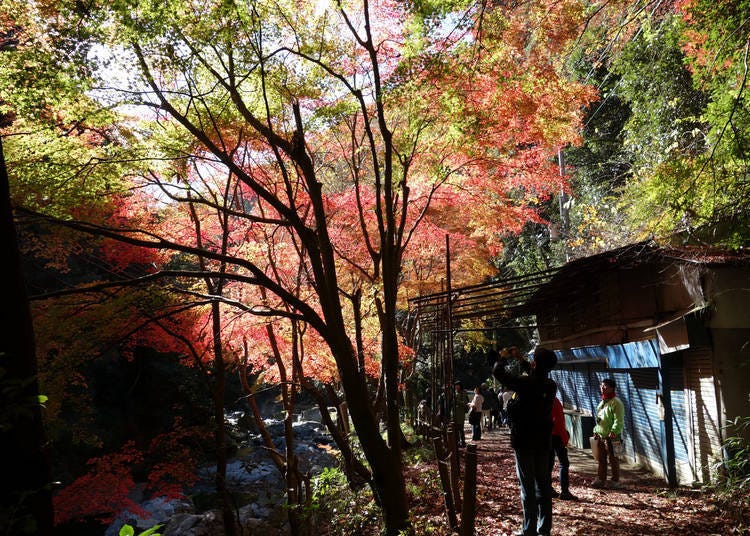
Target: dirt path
column 644, row 506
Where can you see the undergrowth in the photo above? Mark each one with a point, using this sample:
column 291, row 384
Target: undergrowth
column 340, row 511
column 732, row 474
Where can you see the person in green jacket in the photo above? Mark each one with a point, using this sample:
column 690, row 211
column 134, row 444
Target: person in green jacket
column 610, row 420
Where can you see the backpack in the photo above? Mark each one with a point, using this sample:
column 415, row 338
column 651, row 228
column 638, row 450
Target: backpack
column 514, row 411
column 530, row 415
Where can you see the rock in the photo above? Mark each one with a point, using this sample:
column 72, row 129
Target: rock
column 205, row 524
column 241, row 474
column 160, row 510
column 252, row 475
column 210, row 524
column 254, row 524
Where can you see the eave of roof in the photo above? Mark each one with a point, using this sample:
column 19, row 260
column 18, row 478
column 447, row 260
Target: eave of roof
column 498, row 302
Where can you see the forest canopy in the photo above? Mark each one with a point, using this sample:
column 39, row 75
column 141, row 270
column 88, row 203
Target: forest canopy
column 255, row 189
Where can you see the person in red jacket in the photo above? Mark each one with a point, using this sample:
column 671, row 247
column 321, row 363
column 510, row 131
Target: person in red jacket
column 560, row 439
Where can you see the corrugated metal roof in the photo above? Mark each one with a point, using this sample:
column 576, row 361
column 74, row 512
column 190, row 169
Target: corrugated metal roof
column 499, row 303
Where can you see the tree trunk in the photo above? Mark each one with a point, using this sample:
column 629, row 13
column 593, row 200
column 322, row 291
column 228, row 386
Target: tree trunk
column 396, row 508
column 25, row 487
column 357, row 474
column 385, row 460
column 219, row 387
column 276, row 456
column 291, row 467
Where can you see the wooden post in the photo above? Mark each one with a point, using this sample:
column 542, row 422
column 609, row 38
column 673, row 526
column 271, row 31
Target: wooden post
column 445, row 481
column 455, row 466
column 449, row 312
column 468, row 513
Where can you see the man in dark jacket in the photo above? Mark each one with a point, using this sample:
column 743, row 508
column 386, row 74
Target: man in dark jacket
column 530, row 420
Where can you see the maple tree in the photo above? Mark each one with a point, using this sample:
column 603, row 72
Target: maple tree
column 303, row 163
column 106, row 488
column 26, row 486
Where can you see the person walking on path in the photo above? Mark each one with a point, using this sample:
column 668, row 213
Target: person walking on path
column 459, row 413
column 610, row 420
column 488, row 395
column 530, row 419
column 475, row 417
column 491, row 400
column 503, row 398
column 560, row 437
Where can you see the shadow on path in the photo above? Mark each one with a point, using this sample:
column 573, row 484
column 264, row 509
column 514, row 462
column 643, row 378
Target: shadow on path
column 643, row 507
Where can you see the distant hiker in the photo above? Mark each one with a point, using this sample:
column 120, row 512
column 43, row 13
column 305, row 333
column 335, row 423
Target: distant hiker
column 560, row 437
column 505, row 396
column 490, row 400
column 475, row 417
column 530, row 419
column 486, row 410
column 610, row 421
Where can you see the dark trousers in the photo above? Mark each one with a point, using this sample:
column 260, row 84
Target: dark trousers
column 607, row 454
column 503, row 417
column 476, row 431
column 458, row 429
column 535, row 481
column 561, row 451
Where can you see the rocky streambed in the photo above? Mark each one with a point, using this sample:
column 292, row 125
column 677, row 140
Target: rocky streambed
column 252, row 478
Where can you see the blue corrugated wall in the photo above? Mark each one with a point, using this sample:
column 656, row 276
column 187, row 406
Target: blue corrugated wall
column 645, row 438
column 673, row 370
column 579, row 386
column 634, row 367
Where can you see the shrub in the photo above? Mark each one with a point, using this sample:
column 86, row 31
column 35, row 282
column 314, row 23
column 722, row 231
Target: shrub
column 734, row 469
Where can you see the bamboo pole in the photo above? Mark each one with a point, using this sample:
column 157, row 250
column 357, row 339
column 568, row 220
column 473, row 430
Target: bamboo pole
column 446, row 484
column 468, row 513
column 455, row 466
